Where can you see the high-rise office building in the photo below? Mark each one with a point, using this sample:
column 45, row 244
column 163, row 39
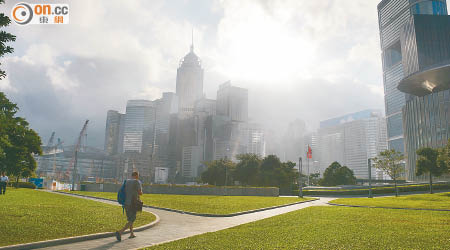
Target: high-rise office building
column 192, row 157
column 189, row 83
column 139, row 125
column 205, row 106
column 351, row 140
column 392, row 15
column 293, row 141
column 232, row 102
column 165, row 108
column 114, row 123
column 254, row 139
column 425, row 41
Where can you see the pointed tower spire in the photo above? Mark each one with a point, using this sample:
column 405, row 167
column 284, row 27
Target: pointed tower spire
column 192, row 42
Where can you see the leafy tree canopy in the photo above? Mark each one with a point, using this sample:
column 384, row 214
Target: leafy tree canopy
column 18, row 142
column 427, row 162
column 336, row 174
column 444, row 157
column 5, row 38
column 390, row 162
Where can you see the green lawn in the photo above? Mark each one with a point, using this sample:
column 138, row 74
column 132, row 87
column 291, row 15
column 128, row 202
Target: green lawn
column 429, row 201
column 205, row 204
column 330, row 228
column 28, row 215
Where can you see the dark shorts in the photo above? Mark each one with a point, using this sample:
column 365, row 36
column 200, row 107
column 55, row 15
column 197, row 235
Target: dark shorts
column 131, row 214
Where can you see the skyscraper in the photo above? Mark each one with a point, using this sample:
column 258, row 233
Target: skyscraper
column 293, row 141
column 351, row 140
column 232, row 102
column 392, row 15
column 114, row 121
column 189, row 83
column 253, row 135
column 165, row 108
column 425, row 42
column 139, row 120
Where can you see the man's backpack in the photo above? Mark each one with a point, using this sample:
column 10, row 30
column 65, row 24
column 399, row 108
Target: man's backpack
column 121, row 195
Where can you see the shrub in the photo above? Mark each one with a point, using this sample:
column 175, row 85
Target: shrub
column 23, row 185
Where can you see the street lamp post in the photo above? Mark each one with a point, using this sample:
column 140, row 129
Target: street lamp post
column 369, row 163
column 226, row 167
column 300, row 193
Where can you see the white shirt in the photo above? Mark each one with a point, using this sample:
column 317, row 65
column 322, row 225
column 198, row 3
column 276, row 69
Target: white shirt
column 4, row 178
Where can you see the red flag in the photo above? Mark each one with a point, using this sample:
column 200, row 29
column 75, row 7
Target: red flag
column 309, row 153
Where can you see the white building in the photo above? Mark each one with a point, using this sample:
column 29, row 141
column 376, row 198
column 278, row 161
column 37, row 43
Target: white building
column 254, row 139
column 351, row 140
column 191, row 161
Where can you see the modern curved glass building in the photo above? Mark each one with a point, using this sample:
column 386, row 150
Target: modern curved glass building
column 425, row 41
column 392, row 16
column 412, row 119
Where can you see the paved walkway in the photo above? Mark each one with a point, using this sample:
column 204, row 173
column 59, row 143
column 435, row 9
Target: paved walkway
column 173, row 226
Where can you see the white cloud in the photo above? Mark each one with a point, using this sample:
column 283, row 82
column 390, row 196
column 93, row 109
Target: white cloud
column 299, row 59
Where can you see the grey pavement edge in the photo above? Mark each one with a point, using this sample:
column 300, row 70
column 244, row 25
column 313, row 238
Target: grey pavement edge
column 62, row 241
column 201, row 214
column 175, row 226
column 401, row 208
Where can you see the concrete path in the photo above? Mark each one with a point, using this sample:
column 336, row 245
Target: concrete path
column 174, row 226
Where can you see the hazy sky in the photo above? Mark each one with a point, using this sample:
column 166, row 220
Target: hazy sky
column 300, row 59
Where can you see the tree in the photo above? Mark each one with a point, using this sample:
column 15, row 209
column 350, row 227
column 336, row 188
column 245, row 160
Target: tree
column 286, row 176
column 18, row 142
column 7, row 112
column 314, row 179
column 269, row 166
column 444, row 157
column 218, row 172
column 427, row 162
column 247, row 169
column 336, row 174
column 391, row 162
column 5, row 37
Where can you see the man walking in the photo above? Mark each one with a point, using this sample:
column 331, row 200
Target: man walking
column 133, row 189
column 3, row 181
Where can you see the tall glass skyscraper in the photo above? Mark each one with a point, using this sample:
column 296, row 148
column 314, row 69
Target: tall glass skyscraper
column 139, row 119
column 425, row 42
column 392, row 16
column 114, row 121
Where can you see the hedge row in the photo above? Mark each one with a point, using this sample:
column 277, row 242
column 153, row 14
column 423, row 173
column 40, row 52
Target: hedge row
column 383, row 190
column 23, row 185
column 181, row 185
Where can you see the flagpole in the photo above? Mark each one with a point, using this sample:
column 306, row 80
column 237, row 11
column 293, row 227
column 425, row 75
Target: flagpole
column 308, row 155
column 308, row 171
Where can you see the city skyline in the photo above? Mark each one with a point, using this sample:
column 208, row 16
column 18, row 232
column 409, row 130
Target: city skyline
column 281, row 52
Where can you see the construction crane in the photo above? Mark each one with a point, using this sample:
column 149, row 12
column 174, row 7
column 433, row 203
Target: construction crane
column 75, row 155
column 45, row 163
column 55, row 149
column 50, row 141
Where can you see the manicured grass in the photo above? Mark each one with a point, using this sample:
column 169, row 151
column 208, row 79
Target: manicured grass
column 376, row 190
column 429, row 201
column 331, row 228
column 205, row 204
column 28, row 215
